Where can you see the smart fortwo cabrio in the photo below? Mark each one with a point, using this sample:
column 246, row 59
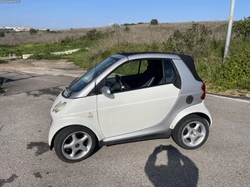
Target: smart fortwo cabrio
column 130, row 97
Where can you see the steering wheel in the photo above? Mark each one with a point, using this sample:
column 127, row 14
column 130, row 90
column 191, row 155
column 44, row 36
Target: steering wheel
column 119, row 80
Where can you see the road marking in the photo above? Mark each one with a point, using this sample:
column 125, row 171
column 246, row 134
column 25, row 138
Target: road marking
column 228, row 98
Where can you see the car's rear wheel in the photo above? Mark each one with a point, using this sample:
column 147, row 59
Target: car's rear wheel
column 191, row 132
column 74, row 143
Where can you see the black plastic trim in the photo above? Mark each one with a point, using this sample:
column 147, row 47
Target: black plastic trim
column 165, row 135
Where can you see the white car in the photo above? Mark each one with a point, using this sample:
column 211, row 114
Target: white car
column 130, row 97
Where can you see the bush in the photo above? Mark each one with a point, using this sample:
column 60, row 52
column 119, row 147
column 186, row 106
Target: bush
column 32, row 31
column 195, row 41
column 94, row 34
column 127, row 28
column 66, row 40
column 3, row 61
column 128, row 24
column 234, row 73
column 116, row 25
column 154, row 22
column 241, row 28
column 2, row 34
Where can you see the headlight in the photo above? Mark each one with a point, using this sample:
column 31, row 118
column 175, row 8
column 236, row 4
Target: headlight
column 59, row 107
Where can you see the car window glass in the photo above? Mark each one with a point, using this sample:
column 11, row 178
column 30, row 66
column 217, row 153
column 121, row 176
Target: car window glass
column 143, row 66
column 169, row 71
column 136, row 75
column 85, row 79
column 130, row 68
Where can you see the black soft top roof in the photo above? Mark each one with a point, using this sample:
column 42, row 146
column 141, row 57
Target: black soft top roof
column 189, row 61
column 137, row 53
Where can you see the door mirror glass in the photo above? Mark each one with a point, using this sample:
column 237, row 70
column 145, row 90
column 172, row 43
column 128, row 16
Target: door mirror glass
column 105, row 90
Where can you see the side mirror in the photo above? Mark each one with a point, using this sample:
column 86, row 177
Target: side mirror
column 106, row 91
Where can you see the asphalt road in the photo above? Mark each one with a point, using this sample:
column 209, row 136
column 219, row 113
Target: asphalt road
column 25, row 159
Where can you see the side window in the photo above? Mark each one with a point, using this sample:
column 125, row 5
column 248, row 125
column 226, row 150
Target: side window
column 136, row 75
column 169, row 71
column 143, row 66
column 130, row 68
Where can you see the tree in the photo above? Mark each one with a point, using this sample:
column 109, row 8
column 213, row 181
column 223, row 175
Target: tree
column 154, row 22
column 33, row 31
column 116, row 25
column 127, row 28
column 2, row 34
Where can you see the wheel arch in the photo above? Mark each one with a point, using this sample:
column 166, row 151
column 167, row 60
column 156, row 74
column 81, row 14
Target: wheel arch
column 51, row 146
column 199, row 110
column 199, row 114
column 204, row 116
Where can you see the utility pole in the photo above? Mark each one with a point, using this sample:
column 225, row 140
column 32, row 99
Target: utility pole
column 229, row 31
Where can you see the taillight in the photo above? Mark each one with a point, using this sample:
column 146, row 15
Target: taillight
column 203, row 88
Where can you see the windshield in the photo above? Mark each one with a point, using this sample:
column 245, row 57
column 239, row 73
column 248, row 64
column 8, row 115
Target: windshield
column 83, row 81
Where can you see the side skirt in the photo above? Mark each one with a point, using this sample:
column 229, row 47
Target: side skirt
column 115, row 141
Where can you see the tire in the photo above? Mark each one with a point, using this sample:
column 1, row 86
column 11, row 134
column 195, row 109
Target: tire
column 74, row 143
column 191, row 132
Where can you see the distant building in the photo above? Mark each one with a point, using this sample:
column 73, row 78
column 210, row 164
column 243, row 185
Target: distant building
column 17, row 29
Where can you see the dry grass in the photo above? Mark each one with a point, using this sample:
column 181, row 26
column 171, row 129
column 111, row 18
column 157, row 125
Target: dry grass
column 146, row 34
column 15, row 38
column 138, row 33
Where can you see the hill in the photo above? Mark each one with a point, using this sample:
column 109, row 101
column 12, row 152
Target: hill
column 15, row 38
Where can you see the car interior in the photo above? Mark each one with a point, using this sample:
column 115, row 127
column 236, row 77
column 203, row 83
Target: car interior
column 152, row 76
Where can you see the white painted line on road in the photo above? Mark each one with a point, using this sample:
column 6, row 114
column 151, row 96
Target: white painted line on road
column 228, row 98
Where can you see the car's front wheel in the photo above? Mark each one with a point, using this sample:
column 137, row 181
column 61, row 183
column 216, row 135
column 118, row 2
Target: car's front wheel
column 191, row 132
column 74, row 143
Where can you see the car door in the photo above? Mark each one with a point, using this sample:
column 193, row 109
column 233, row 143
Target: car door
column 135, row 108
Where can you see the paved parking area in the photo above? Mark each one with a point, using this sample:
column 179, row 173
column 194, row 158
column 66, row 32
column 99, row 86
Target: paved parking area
column 25, row 159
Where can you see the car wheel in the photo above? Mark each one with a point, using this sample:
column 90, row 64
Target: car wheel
column 74, row 143
column 191, row 132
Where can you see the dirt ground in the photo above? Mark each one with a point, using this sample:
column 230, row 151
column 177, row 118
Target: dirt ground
column 43, row 67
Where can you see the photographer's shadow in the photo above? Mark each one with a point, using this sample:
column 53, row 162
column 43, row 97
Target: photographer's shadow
column 178, row 171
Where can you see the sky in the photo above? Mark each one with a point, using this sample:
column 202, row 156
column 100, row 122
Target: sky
column 65, row 14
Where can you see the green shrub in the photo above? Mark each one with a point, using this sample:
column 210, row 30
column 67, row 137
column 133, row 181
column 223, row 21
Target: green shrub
column 116, row 25
column 154, row 22
column 218, row 47
column 2, row 34
column 127, row 28
column 195, row 41
column 234, row 73
column 94, row 34
column 66, row 40
column 241, row 28
column 32, row 31
column 3, row 61
column 128, row 24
